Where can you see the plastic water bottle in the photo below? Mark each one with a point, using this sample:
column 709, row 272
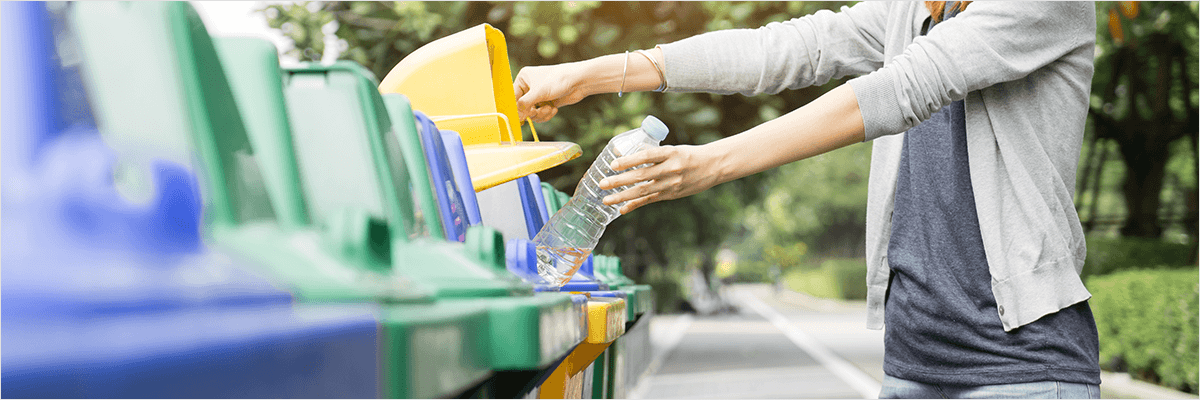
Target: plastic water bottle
column 566, row 241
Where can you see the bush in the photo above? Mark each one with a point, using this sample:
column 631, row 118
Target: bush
column 837, row 278
column 1147, row 322
column 668, row 295
column 1108, row 255
column 752, row 272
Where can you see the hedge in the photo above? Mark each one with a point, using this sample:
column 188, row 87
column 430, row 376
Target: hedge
column 836, row 278
column 1108, row 255
column 1147, row 320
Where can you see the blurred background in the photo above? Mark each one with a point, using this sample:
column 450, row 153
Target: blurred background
column 801, row 226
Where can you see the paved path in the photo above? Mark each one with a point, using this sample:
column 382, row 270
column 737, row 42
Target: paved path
column 788, row 345
column 775, row 346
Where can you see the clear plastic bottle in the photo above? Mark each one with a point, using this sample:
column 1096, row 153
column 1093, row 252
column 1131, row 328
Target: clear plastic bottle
column 569, row 237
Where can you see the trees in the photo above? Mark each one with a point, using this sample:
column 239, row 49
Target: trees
column 1144, row 99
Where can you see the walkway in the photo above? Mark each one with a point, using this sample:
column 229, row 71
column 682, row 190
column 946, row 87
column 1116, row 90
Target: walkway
column 775, row 346
column 788, row 345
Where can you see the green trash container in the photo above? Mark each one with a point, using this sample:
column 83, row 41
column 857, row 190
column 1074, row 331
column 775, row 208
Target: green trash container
column 157, row 82
column 339, row 119
column 435, row 349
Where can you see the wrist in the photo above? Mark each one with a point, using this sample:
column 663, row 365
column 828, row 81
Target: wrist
column 600, row 75
column 718, row 162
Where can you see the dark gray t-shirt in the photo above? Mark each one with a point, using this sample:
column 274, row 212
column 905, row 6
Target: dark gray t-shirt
column 942, row 323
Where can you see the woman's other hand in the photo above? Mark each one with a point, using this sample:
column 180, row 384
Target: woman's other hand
column 674, row 172
column 831, row 121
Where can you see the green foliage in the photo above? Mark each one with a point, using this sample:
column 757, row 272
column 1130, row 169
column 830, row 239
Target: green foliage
column 1144, row 100
column 304, row 24
column 1147, row 322
column 837, row 278
column 1109, row 255
column 752, row 272
column 818, row 205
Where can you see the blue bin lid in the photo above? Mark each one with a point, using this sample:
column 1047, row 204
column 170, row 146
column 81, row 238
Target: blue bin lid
column 49, row 99
column 441, row 174
column 582, row 286
column 462, row 175
column 541, row 197
column 521, row 259
column 529, row 192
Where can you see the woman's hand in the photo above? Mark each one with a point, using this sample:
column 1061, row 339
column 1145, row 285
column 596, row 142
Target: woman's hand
column 830, row 122
column 675, row 171
column 542, row 90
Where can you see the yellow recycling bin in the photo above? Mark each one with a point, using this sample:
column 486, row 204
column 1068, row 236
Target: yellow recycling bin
column 606, row 322
column 463, row 83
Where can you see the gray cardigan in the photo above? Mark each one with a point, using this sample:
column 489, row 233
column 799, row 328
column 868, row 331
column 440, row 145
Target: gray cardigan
column 1025, row 70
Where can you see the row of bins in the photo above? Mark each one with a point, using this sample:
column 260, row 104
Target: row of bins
column 185, row 218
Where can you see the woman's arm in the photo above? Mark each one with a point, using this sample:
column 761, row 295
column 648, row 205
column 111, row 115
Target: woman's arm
column 798, row 53
column 830, row 122
column 542, row 90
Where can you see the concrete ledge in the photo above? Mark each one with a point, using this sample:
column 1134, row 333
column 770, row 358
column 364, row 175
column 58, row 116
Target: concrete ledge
column 1122, row 386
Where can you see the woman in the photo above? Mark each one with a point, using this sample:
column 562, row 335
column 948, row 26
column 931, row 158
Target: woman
column 976, row 113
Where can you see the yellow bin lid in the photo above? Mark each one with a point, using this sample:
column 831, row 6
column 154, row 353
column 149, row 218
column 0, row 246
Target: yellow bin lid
column 463, row 83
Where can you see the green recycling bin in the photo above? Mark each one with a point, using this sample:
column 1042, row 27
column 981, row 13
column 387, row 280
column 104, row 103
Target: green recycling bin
column 428, row 350
column 340, row 120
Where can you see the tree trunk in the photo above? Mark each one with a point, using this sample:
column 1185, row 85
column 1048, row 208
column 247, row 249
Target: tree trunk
column 1146, row 162
column 1096, row 179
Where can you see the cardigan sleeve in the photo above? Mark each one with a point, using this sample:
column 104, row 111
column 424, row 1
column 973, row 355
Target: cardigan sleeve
column 986, row 44
column 781, row 55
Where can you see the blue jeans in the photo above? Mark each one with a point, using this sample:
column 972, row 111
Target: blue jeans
column 896, row 388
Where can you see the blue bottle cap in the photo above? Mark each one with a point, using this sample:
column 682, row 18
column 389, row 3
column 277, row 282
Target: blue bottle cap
column 656, row 128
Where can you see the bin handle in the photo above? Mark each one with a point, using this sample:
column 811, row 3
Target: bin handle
column 507, row 125
column 532, row 129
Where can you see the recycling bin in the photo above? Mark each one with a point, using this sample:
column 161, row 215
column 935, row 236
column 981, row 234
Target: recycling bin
column 252, row 196
column 110, row 292
column 340, row 119
column 429, row 348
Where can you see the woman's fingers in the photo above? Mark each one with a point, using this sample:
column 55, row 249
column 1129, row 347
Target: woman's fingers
column 627, row 178
column 638, row 203
column 648, row 156
column 671, row 172
column 544, row 113
column 540, row 91
column 534, row 90
column 651, row 188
